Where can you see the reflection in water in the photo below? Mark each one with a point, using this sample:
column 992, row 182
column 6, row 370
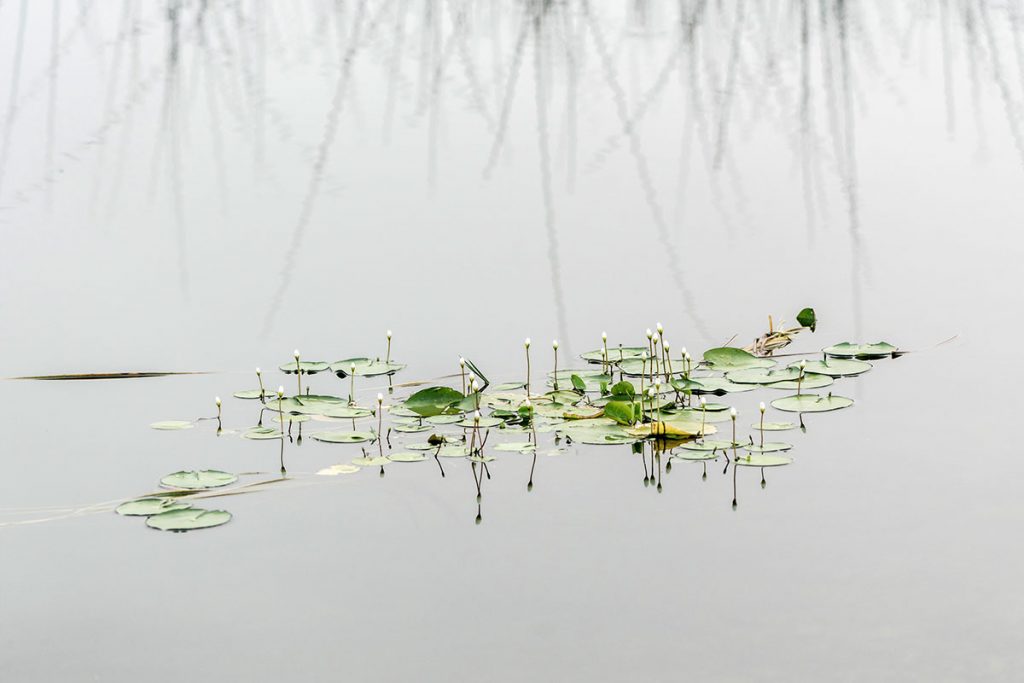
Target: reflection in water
column 721, row 69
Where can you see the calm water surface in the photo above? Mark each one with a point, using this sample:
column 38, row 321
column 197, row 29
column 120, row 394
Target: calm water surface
column 206, row 186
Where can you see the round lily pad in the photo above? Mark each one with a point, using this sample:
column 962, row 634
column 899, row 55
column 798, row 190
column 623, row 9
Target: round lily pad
column 344, row 437
column 365, row 367
column 250, row 394
column 412, row 456
column 763, row 460
column 172, row 424
column 352, row 412
column 718, row 385
column 402, row 411
column 485, row 422
column 444, row 419
column 143, row 507
column 838, row 367
column 377, row 461
column 615, row 354
column 731, row 358
column 335, row 470
column 308, row 367
column 411, row 428
column 811, row 380
column 849, row 350
column 767, row 447
column 773, row 426
column 188, row 519
column 261, row 433
column 453, row 451
column 696, row 455
column 811, row 403
column 516, row 446
column 198, row 479
column 759, row 375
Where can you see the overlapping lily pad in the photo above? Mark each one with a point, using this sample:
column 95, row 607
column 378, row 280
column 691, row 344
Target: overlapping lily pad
column 152, row 505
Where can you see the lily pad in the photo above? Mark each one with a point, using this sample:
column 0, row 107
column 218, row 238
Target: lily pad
column 616, row 354
column 311, row 404
column 250, row 394
column 308, row 367
column 811, row 403
column 411, row 428
column 365, row 367
column 730, row 358
column 444, row 419
column 719, row 385
column 188, row 519
column 433, row 401
column 453, row 451
column 811, row 380
column 838, row 367
column 410, row 456
column 344, row 437
column 767, row 447
column 349, row 412
column 762, row 460
column 773, row 426
column 485, row 422
column 262, row 433
column 335, row 470
column 172, row 424
column 850, row 350
column 374, row 461
column 198, row 479
column 143, row 507
column 516, row 446
column 759, row 375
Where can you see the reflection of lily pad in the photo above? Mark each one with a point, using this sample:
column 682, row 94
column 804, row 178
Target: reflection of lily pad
column 811, row 403
column 198, row 479
column 344, row 437
column 172, row 424
column 143, row 507
column 188, row 519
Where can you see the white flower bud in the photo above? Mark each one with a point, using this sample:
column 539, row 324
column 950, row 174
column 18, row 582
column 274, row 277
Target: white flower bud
column 389, row 334
column 661, row 330
column 462, row 362
column 554, row 344
column 703, row 401
column 526, row 342
column 296, row 354
column 649, row 333
column 217, row 401
column 732, row 413
column 476, row 416
column 667, row 346
column 280, row 392
column 380, row 398
column 258, row 371
column 604, row 336
column 803, row 365
column 761, row 407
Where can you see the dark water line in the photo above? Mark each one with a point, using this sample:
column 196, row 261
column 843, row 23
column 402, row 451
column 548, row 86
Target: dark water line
column 316, row 176
column 641, row 167
column 12, row 98
column 545, row 176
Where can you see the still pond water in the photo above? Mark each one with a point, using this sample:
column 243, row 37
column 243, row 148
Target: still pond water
column 206, row 186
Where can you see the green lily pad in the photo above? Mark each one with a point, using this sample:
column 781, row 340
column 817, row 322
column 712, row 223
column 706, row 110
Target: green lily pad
column 291, row 418
column 143, row 507
column 694, row 455
column 481, row 458
column 697, row 415
column 485, row 422
column 335, row 470
column 516, row 447
column 250, row 394
column 616, row 354
column 719, row 385
column 195, row 480
column 365, row 367
column 168, row 425
column 811, row 380
column 348, row 412
column 850, row 350
column 411, row 428
column 411, row 456
column 762, row 460
column 188, row 519
column 708, row 445
column 758, row 375
column 308, row 367
column 453, row 451
column 773, row 426
column 767, row 447
column 344, row 437
column 838, row 367
column 433, row 401
column 730, row 358
column 444, row 419
column 636, row 367
column 312, row 404
column 262, row 433
column 811, row 403
column 591, row 379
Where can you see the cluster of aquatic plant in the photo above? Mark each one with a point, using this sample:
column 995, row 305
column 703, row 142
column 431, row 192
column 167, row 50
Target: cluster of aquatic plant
column 647, row 397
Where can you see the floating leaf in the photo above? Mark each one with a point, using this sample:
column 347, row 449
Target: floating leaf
column 811, row 403
column 411, row 428
column 516, row 446
column 250, row 394
column 578, row 384
column 349, row 412
column 411, row 456
column 837, row 367
column 485, row 422
column 444, row 419
column 762, row 460
column 622, row 412
column 344, row 437
column 367, row 461
column 309, row 404
column 453, row 451
column 172, row 424
column 335, row 470
column 811, row 380
column 773, row 426
column 623, row 389
column 731, row 358
column 308, row 367
column 198, row 479
column 767, row 447
column 850, row 350
column 763, row 375
column 718, row 385
column 188, row 519
column 616, row 355
column 365, row 367
column 261, row 433
column 433, row 400
column 143, row 507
